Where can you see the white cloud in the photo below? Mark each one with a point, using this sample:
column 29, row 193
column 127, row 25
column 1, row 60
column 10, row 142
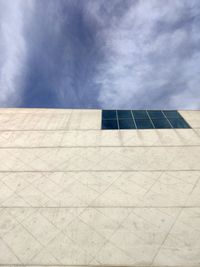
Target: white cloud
column 99, row 53
column 12, row 51
column 151, row 57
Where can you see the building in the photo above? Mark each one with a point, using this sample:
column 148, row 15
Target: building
column 73, row 194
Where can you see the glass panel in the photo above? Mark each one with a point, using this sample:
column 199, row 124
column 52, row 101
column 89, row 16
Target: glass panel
column 161, row 123
column 158, row 119
column 109, row 114
column 171, row 114
column 124, row 114
column 179, row 123
column 140, row 114
column 143, row 124
column 109, row 124
column 156, row 114
column 126, row 124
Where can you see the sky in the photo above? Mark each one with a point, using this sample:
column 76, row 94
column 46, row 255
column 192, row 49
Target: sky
column 107, row 54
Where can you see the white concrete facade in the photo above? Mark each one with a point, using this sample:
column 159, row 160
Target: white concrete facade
column 72, row 194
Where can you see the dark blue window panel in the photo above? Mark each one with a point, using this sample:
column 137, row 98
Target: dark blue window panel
column 141, row 119
column 140, row 114
column 109, row 114
column 143, row 124
column 126, row 124
column 124, row 114
column 178, row 123
column 172, row 114
column 161, row 123
column 155, row 114
column 109, row 124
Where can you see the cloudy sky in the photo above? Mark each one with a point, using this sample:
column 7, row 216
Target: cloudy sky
column 125, row 54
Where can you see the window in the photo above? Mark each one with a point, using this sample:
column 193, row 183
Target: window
column 126, row 124
column 142, row 119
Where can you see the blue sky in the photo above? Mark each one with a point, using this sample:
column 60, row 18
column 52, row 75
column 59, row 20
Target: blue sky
column 124, row 54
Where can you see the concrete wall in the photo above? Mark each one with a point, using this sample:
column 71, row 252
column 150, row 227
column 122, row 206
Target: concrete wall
column 72, row 194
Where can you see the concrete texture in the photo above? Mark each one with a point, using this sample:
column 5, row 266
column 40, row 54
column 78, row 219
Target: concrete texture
column 74, row 195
